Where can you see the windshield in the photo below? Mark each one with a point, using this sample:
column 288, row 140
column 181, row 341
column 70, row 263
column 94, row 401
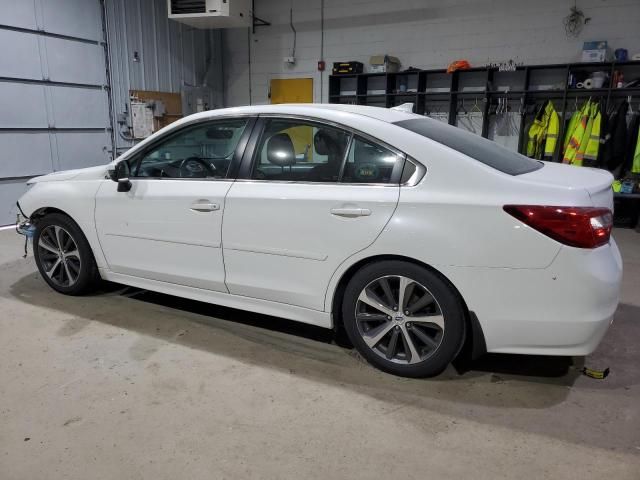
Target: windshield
column 474, row 146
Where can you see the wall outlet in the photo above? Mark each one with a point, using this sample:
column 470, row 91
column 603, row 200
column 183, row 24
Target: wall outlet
column 290, row 60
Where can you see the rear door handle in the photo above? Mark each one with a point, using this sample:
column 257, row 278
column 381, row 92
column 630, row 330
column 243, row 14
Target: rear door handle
column 351, row 212
column 204, row 206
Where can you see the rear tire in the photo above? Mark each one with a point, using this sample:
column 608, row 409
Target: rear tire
column 63, row 255
column 403, row 319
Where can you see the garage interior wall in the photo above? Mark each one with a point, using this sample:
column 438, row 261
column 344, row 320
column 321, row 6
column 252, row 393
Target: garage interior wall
column 147, row 51
column 428, row 34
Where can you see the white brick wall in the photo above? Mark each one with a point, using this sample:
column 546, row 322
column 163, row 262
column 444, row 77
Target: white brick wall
column 424, row 34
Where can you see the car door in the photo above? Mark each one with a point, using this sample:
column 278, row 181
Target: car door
column 309, row 196
column 167, row 227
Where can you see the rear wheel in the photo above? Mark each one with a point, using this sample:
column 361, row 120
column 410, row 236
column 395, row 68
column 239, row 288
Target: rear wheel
column 63, row 255
column 403, row 318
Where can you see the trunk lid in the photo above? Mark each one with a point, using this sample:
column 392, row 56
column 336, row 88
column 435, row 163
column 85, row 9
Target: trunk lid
column 595, row 181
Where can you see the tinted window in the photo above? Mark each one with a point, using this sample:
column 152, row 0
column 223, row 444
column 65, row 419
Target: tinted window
column 296, row 150
column 369, row 163
column 201, row 151
column 474, row 146
column 408, row 171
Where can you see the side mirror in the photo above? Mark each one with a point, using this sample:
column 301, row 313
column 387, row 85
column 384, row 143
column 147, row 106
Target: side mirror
column 121, row 175
column 124, row 184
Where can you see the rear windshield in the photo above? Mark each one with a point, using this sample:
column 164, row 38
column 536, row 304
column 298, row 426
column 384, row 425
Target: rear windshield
column 474, row 146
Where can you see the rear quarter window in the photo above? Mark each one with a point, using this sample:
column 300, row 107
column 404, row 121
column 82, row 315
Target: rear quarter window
column 474, row 146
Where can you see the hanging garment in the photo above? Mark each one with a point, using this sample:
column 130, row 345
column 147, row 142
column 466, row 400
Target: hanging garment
column 543, row 133
column 577, row 134
column 553, row 128
column 590, row 157
column 605, row 139
column 536, row 134
column 504, row 129
column 575, row 118
column 471, row 122
column 618, row 139
column 635, row 165
column 440, row 116
column 632, row 141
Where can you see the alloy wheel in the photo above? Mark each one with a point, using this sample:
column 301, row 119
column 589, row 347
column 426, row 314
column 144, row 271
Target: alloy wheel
column 59, row 256
column 399, row 319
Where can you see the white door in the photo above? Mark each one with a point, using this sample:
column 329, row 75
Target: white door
column 315, row 195
column 168, row 226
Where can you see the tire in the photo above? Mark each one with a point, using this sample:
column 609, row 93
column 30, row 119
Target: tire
column 71, row 269
column 418, row 344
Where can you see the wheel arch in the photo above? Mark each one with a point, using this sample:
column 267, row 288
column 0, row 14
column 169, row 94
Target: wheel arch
column 473, row 345
column 41, row 212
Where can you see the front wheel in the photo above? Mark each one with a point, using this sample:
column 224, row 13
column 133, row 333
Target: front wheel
column 403, row 318
column 63, row 255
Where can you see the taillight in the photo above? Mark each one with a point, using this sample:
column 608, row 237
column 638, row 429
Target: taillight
column 582, row 227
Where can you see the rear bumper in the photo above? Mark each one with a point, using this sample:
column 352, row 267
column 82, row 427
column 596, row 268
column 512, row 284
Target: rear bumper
column 564, row 309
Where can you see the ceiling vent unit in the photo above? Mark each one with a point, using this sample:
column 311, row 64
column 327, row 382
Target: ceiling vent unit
column 211, row 13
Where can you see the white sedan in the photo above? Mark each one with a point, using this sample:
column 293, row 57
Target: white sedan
column 421, row 240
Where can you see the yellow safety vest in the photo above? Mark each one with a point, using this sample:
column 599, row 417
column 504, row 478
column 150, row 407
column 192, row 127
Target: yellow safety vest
column 635, row 167
column 593, row 143
column 575, row 118
column 553, row 128
column 543, row 133
column 536, row 136
column 577, row 134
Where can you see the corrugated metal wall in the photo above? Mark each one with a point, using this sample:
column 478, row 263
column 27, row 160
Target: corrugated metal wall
column 54, row 90
column 53, row 97
column 169, row 54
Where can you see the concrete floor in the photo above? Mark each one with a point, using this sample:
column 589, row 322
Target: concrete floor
column 120, row 385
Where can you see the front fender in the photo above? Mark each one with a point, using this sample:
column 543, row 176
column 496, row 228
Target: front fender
column 75, row 199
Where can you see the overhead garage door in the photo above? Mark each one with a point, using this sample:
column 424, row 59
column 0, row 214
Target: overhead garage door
column 54, row 110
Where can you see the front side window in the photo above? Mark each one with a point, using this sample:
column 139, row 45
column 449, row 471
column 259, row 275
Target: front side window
column 201, row 151
column 297, row 150
column 370, row 163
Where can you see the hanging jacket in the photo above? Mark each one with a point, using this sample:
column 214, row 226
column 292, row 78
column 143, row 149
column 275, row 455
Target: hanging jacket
column 635, row 165
column 632, row 141
column 618, row 138
column 577, row 135
column 536, row 134
column 553, row 128
column 605, row 139
column 571, row 126
column 590, row 157
column 543, row 133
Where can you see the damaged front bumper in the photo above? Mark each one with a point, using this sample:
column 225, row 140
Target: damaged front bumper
column 23, row 224
column 24, row 227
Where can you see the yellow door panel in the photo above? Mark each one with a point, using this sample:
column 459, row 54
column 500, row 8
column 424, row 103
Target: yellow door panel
column 292, row 90
column 302, row 138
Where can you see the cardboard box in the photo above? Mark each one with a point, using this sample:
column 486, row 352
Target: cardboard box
column 594, row 51
column 384, row 64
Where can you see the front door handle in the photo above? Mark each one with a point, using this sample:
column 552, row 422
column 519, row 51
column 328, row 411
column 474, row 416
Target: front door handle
column 351, row 212
column 204, row 206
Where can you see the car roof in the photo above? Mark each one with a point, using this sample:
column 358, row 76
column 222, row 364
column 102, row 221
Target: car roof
column 316, row 109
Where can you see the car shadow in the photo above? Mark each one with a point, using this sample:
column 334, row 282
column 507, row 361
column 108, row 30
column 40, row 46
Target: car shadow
column 113, row 303
column 509, row 390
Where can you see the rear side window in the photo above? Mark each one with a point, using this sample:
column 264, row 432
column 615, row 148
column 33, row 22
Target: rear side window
column 474, row 146
column 368, row 162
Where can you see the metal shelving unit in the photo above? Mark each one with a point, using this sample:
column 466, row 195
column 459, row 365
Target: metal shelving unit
column 523, row 89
